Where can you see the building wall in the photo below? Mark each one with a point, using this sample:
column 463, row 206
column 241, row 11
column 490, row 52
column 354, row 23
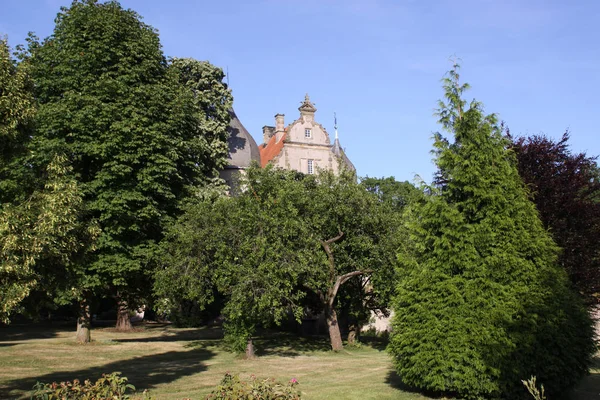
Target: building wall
column 231, row 176
column 299, row 149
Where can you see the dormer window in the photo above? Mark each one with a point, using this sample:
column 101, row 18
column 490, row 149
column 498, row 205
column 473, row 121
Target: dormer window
column 307, row 133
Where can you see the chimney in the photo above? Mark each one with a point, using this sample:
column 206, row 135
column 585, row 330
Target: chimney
column 279, row 127
column 267, row 133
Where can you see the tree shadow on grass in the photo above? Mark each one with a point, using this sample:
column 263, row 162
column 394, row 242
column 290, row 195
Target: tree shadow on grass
column 289, row 345
column 589, row 387
column 145, row 372
column 394, row 380
column 375, row 342
column 24, row 332
column 272, row 344
column 164, row 334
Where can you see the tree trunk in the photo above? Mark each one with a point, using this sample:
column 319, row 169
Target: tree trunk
column 84, row 322
column 353, row 333
column 249, row 349
column 123, row 320
column 329, row 299
column 334, row 330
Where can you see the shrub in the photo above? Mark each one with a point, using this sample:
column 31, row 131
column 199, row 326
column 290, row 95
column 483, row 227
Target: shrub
column 233, row 388
column 109, row 386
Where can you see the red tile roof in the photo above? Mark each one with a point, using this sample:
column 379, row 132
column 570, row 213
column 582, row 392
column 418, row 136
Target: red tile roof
column 270, row 150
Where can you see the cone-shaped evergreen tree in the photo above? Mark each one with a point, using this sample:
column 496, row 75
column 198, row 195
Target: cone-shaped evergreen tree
column 482, row 302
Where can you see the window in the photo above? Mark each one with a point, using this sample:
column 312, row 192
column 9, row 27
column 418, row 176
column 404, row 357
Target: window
column 307, row 133
column 310, row 167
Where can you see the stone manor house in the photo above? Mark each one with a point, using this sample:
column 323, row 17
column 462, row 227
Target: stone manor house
column 304, row 145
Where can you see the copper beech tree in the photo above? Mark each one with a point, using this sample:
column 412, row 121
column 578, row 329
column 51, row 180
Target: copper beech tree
column 565, row 187
column 286, row 238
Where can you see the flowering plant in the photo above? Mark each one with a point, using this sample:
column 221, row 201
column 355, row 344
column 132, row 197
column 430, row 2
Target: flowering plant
column 233, row 388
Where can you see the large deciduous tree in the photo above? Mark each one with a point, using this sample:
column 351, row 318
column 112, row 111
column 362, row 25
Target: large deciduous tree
column 17, row 111
column 45, row 228
column 212, row 101
column 132, row 131
column 284, row 237
column 481, row 301
column 389, row 190
column 39, row 215
column 565, row 187
column 358, row 235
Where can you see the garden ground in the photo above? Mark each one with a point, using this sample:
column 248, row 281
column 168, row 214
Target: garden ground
column 178, row 363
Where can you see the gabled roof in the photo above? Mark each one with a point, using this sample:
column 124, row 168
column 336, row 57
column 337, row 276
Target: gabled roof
column 270, row 150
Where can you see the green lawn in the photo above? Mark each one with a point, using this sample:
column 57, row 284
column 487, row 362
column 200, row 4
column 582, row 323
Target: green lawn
column 178, row 363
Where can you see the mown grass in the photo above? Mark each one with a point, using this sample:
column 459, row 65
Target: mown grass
column 187, row 363
column 178, row 363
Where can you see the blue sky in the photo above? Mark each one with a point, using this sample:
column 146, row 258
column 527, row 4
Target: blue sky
column 378, row 64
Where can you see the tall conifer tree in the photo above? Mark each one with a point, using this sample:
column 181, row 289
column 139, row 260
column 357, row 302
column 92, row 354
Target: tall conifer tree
column 482, row 302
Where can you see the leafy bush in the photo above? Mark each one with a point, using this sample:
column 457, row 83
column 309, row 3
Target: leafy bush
column 233, row 388
column 109, row 386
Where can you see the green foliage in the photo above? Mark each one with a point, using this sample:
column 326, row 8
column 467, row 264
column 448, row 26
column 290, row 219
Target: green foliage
column 41, row 205
column 47, row 227
column 212, row 101
column 232, row 247
column 142, row 135
column 109, row 386
column 262, row 250
column 233, row 388
column 398, row 194
column 481, row 300
column 17, row 110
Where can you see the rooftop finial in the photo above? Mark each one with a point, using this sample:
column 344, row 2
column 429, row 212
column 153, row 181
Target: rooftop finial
column 307, row 106
column 335, row 125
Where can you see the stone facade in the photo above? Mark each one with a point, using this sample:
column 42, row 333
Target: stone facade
column 304, row 145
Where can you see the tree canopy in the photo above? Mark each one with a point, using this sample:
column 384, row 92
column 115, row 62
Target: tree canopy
column 39, row 217
column 481, row 301
column 565, row 188
column 141, row 136
column 397, row 194
column 17, row 111
column 285, row 237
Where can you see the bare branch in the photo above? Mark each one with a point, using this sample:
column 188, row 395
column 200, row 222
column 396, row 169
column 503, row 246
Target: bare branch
column 325, row 244
column 338, row 282
column 344, row 278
